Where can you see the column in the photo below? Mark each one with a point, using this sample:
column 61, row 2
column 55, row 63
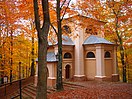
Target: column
column 100, row 68
column 115, row 76
column 114, row 61
column 79, row 55
column 51, row 70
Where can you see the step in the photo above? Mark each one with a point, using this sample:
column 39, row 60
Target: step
column 51, row 90
column 31, row 88
column 71, row 86
column 29, row 92
column 65, row 83
column 32, row 85
column 25, row 95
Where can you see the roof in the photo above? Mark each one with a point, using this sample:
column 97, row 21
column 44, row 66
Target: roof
column 50, row 57
column 96, row 40
column 89, row 19
column 66, row 40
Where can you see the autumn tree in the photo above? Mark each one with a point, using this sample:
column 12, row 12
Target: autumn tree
column 26, row 10
column 21, row 53
column 8, row 9
column 120, row 11
column 42, row 47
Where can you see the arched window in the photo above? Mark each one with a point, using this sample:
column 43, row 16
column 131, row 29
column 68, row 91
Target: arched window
column 90, row 55
column 67, row 55
column 107, row 54
column 67, row 29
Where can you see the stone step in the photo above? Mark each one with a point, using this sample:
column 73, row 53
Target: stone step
column 51, row 90
column 71, row 86
column 26, row 95
column 67, row 83
column 32, row 85
column 33, row 88
column 29, row 92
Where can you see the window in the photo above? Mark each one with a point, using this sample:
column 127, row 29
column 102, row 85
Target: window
column 67, row 55
column 90, row 55
column 91, row 30
column 66, row 29
column 88, row 30
column 107, row 54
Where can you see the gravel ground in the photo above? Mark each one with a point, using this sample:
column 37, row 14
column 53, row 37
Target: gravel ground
column 94, row 90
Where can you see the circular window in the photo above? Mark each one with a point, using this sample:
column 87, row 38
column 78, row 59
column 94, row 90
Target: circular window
column 91, row 30
column 88, row 30
column 66, row 29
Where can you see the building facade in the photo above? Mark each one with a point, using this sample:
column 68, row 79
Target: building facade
column 86, row 54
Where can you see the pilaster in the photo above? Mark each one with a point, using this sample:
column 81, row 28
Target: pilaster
column 79, row 55
column 115, row 75
column 114, row 61
column 100, row 68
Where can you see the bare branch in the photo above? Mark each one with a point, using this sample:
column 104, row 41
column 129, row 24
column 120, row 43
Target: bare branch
column 36, row 13
column 54, row 28
column 46, row 17
column 65, row 10
column 63, row 4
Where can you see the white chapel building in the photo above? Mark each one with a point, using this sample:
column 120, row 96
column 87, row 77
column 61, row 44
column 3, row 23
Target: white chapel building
column 86, row 54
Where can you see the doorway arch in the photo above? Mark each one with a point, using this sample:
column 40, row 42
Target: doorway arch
column 67, row 71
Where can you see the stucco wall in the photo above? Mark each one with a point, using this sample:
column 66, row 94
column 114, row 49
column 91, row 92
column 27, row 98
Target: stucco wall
column 109, row 63
column 68, row 61
column 90, row 63
column 52, row 69
column 108, row 67
column 90, row 68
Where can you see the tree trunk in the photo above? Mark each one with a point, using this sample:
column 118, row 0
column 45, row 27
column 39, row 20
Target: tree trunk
column 32, row 64
column 42, row 68
column 121, row 51
column 59, row 84
column 11, row 60
column 32, row 68
column 42, row 47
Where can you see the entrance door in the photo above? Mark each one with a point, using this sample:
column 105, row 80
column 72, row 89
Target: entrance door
column 67, row 71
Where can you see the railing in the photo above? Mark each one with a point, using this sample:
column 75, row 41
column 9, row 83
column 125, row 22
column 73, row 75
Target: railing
column 16, row 97
column 8, row 89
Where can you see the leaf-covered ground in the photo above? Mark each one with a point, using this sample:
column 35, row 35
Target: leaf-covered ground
column 94, row 90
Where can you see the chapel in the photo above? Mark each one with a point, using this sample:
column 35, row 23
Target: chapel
column 86, row 54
